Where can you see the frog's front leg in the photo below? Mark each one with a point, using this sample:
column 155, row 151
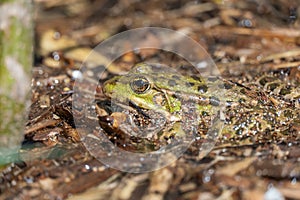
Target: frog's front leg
column 173, row 131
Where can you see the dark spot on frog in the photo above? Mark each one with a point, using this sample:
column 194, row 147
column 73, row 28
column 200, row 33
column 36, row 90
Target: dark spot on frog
column 229, row 103
column 175, row 77
column 265, row 80
column 214, row 101
column 273, row 86
column 227, row 86
column 189, row 84
column 202, row 88
column 169, row 137
column 239, row 131
column 172, row 83
column 177, row 94
column 241, row 100
column 285, row 91
column 243, row 91
column 204, row 113
column 212, row 78
column 196, row 78
column 288, row 113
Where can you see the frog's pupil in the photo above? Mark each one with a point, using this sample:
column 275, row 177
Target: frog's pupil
column 140, row 85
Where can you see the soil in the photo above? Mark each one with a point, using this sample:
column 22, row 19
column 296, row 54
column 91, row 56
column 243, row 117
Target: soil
column 244, row 38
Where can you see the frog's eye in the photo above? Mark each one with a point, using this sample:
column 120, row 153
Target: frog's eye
column 140, row 84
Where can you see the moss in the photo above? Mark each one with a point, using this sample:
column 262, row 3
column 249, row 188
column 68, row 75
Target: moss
column 16, row 43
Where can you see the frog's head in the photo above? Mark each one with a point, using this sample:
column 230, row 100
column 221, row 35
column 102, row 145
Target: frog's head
column 134, row 88
column 139, row 88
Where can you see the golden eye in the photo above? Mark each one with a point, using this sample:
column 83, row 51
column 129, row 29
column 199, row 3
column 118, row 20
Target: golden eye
column 140, row 84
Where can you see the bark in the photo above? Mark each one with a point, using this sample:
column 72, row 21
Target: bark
column 16, row 44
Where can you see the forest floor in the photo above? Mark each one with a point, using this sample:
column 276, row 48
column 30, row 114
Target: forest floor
column 246, row 39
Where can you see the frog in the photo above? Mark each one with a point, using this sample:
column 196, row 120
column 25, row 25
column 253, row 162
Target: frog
column 180, row 99
column 187, row 101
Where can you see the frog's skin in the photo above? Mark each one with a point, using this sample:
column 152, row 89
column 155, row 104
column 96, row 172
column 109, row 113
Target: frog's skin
column 160, row 89
column 153, row 87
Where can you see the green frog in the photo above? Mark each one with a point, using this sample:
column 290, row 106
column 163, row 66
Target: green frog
column 184, row 104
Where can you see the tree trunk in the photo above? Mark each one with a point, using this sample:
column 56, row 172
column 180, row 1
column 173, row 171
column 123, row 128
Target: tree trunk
column 16, row 44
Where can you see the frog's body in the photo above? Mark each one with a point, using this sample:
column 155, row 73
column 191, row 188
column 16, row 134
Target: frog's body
column 157, row 88
column 153, row 87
